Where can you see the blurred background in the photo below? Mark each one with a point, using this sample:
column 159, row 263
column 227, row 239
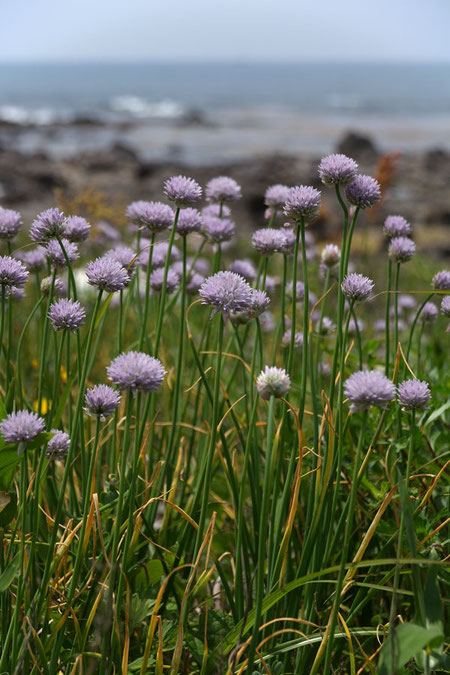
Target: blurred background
column 101, row 100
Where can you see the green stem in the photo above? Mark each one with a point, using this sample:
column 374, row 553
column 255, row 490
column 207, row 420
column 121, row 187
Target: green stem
column 397, row 275
column 388, row 318
column 147, row 293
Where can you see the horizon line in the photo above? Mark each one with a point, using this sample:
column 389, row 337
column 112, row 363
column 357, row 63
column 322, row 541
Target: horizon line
column 244, row 61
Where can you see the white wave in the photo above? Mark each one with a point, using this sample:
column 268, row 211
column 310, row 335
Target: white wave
column 141, row 108
column 15, row 114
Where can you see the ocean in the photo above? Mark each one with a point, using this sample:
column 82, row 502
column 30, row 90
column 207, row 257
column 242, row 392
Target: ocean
column 197, row 112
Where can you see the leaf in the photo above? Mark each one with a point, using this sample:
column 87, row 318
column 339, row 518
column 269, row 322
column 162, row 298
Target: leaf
column 7, row 577
column 8, row 463
column 437, row 413
column 409, row 639
column 9, row 510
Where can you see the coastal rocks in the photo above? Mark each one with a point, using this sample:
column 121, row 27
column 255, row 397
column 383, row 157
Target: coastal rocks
column 358, row 146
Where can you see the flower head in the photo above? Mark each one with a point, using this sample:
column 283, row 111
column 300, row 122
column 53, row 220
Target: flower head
column 35, row 259
column 216, row 210
column 58, row 446
column 302, row 202
column 77, row 228
column 337, row 170
column 136, row 371
column 10, row 223
column 357, row 287
column 67, row 315
column 155, row 216
column 288, row 246
column 182, row 191
column 189, row 220
column 429, row 312
column 59, row 287
column 101, row 401
column 48, row 224
column 441, row 280
column 396, row 226
column 222, row 189
column 299, row 290
column 273, row 382
column 406, row 302
column 157, row 280
column 330, row 255
column 245, row 268
column 355, row 326
column 276, row 196
column 218, row 229
column 194, row 283
column 286, row 339
column 21, row 426
column 413, row 394
column 367, row 388
column 107, row 274
column 401, row 249
column 12, row 272
column 260, row 302
column 226, row 292
column 107, row 233
column 125, row 256
column 55, row 252
column 268, row 241
column 363, row 191
column 445, row 306
column 326, row 327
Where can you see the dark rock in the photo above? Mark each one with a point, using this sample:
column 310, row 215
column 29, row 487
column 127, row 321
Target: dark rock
column 356, row 146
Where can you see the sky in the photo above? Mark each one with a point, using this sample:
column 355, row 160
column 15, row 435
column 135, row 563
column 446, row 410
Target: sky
column 225, row 30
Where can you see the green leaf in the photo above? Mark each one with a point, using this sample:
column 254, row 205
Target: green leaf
column 409, row 640
column 7, row 577
column 9, row 511
column 437, row 413
column 8, row 464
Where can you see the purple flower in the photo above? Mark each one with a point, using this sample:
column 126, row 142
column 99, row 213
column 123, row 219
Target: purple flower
column 12, row 272
column 48, row 224
column 268, row 241
column 107, row 233
column 16, row 293
column 260, row 302
column 337, row 170
column 245, row 268
column 327, row 326
column 226, row 292
column 332, row 271
column 218, row 230
column 286, row 339
column 157, row 280
column 216, row 211
column 222, row 189
column 101, row 401
column 357, row 287
column 401, row 249
column 189, row 220
column 299, row 290
column 363, row 191
column 367, row 388
column 35, row 259
column 55, row 252
column 290, row 240
column 331, row 255
column 107, row 274
column 413, row 394
column 21, row 427
column 429, row 312
column 445, row 306
column 406, row 302
column 194, row 283
column 67, row 315
column 355, row 326
column 160, row 251
column 10, row 223
column 155, row 216
column 125, row 256
column 273, row 382
column 302, row 202
column 182, row 191
column 441, row 281
column 201, row 265
column 136, row 371
column 58, row 446
column 276, row 196
column 271, row 284
column 396, row 226
column 59, row 287
column 77, row 229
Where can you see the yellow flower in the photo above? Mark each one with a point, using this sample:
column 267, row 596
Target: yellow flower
column 45, row 406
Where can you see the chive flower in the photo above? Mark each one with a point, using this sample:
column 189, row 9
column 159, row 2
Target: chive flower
column 299, row 290
column 157, row 280
column 445, row 306
column 396, row 226
column 245, row 268
column 59, row 287
column 218, row 230
column 268, row 241
column 182, row 191
column 216, row 210
column 10, row 223
column 286, row 339
column 21, row 427
column 101, row 401
column 413, row 394
column 429, row 312
column 35, row 259
column 337, row 170
column 288, row 246
column 330, row 255
column 125, row 256
column 441, row 281
column 273, row 381
column 367, row 388
column 136, row 372
column 302, row 202
column 67, row 315
column 363, row 191
column 357, row 287
column 260, row 303
column 77, row 229
column 222, row 189
column 107, row 274
column 56, row 255
column 155, row 216
column 58, row 446
column 275, row 197
column 189, row 220
column 226, row 292
column 401, row 249
column 12, row 272
column 194, row 283
column 48, row 224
